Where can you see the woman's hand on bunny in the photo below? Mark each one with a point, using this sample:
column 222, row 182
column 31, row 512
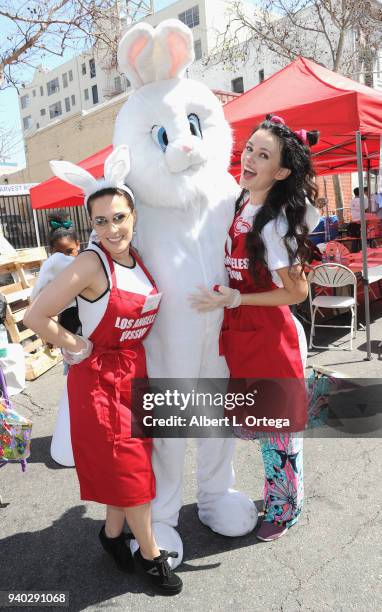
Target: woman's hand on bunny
column 73, row 358
column 220, row 297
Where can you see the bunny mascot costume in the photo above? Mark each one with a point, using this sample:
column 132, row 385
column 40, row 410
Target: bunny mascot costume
column 180, row 147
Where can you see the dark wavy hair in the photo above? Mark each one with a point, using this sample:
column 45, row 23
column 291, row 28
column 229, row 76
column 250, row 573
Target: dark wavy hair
column 288, row 196
column 109, row 191
column 56, row 233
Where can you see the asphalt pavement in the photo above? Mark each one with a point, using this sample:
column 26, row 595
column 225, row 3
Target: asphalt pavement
column 331, row 560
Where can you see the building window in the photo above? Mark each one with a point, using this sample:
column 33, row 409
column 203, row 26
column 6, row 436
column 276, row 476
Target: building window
column 86, row 94
column 27, row 122
column 42, row 112
column 237, row 85
column 65, row 79
column 128, row 84
column 198, row 49
column 34, row 93
column 190, row 17
column 67, row 104
column 24, row 101
column 37, row 125
column 117, row 85
column 41, row 90
column 92, row 68
column 70, row 73
column 52, row 87
column 55, row 110
column 83, row 68
column 261, row 75
column 95, row 94
column 73, row 100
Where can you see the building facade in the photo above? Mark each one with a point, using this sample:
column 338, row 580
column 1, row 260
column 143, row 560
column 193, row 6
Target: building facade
column 69, row 112
column 90, row 79
column 77, row 85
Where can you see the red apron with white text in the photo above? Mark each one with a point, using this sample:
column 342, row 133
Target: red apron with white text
column 261, row 342
column 112, row 466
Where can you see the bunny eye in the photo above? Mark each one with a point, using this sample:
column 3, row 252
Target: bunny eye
column 159, row 136
column 195, row 128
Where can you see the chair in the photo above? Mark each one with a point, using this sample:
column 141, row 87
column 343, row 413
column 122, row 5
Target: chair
column 332, row 275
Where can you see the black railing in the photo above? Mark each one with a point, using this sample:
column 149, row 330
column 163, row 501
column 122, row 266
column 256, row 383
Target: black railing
column 18, row 224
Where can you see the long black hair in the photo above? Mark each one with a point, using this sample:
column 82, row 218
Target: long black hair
column 288, row 196
column 60, row 226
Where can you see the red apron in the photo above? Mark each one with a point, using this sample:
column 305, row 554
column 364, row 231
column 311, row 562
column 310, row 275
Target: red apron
column 112, row 467
column 261, row 342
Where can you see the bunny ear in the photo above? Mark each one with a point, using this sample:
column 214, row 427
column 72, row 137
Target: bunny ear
column 174, row 49
column 74, row 174
column 135, row 55
column 117, row 165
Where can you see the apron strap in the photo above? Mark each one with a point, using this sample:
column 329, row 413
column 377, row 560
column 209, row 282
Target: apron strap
column 111, row 265
column 145, row 270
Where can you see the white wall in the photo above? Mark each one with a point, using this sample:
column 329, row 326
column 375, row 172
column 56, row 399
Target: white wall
column 103, row 79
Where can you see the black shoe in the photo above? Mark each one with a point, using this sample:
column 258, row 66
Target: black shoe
column 159, row 572
column 119, row 549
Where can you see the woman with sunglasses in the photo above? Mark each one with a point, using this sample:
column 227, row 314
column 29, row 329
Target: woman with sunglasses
column 117, row 304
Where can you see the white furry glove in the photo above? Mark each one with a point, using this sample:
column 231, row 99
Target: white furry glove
column 74, row 358
column 220, row 297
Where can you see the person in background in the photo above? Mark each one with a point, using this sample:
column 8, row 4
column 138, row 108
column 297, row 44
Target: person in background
column 355, row 204
column 64, row 246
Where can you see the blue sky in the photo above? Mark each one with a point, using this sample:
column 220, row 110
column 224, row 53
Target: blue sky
column 9, row 107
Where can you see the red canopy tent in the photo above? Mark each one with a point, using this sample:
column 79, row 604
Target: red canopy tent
column 306, row 95
column 55, row 193
column 310, row 96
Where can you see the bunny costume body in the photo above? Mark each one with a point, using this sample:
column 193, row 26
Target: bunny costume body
column 180, row 148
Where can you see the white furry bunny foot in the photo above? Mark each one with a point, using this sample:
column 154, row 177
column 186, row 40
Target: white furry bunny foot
column 233, row 514
column 167, row 538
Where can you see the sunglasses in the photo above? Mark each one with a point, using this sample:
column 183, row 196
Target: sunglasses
column 101, row 223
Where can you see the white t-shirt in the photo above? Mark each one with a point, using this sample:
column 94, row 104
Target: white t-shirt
column 276, row 254
column 355, row 208
column 50, row 269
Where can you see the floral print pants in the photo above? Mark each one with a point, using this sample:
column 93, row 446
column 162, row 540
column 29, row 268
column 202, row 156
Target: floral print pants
column 284, row 485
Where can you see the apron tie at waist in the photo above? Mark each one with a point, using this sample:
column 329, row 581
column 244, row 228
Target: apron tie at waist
column 121, row 363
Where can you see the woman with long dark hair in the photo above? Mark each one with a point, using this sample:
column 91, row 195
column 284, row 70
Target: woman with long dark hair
column 265, row 254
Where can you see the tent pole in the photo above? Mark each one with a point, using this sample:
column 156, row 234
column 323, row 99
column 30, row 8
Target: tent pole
column 36, row 228
column 326, row 222
column 370, row 203
column 365, row 276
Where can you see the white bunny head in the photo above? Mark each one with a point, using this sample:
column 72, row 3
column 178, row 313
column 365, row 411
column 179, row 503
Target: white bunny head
column 116, row 169
column 147, row 55
column 178, row 137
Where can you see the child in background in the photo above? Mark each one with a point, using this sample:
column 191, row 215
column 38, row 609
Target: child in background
column 64, row 246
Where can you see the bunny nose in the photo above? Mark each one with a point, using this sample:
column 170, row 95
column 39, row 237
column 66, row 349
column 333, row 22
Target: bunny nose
column 186, row 148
